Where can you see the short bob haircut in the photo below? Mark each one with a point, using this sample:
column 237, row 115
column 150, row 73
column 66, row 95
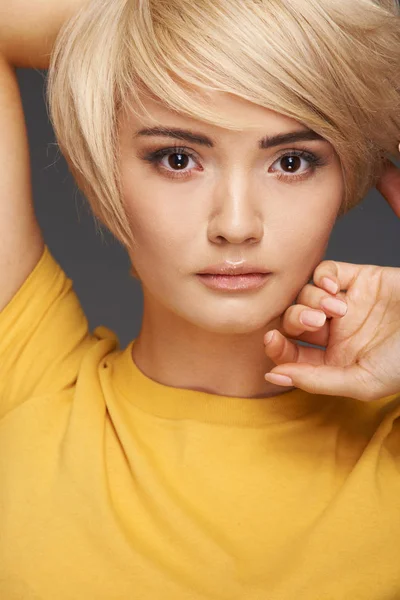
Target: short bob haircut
column 333, row 65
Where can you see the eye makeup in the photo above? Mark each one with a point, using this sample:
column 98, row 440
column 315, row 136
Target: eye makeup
column 154, row 158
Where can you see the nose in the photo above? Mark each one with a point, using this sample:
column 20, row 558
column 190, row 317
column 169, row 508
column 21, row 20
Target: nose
column 236, row 215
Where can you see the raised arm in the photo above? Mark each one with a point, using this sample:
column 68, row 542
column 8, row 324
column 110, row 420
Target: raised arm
column 28, row 29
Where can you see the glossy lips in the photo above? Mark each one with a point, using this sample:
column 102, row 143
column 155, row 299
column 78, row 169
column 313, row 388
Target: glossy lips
column 251, row 281
column 227, row 268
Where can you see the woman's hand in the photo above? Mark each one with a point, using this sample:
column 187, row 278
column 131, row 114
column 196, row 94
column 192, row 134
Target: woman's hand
column 362, row 355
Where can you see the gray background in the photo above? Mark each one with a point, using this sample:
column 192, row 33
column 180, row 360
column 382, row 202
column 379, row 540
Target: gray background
column 99, row 267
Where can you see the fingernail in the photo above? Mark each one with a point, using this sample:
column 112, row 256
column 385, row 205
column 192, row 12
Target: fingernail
column 312, row 318
column 268, row 337
column 334, row 305
column 330, row 285
column 278, row 379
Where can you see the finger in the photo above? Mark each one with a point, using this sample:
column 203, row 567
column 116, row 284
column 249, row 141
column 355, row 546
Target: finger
column 319, row 299
column 299, row 318
column 281, row 350
column 293, row 325
column 349, row 382
column 389, row 186
column 311, row 297
column 317, row 338
column 340, row 273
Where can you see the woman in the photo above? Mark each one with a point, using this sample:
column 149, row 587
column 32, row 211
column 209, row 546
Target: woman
column 211, row 137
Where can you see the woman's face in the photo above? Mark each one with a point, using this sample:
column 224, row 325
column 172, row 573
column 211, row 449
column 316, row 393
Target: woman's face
column 226, row 197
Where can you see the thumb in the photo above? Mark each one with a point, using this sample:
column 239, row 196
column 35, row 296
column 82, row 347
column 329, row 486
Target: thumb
column 322, row 379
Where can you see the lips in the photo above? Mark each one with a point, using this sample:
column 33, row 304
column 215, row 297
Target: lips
column 235, row 274
column 230, row 270
column 249, row 281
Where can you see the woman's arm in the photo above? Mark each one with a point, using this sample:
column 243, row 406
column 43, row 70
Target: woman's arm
column 21, row 242
column 28, row 29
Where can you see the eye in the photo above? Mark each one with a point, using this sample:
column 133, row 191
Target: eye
column 291, row 163
column 178, row 163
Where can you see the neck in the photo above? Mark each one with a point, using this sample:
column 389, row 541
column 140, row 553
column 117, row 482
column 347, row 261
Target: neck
column 176, row 353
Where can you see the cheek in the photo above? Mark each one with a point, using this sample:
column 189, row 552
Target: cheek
column 304, row 243
column 161, row 221
column 163, row 242
column 313, row 212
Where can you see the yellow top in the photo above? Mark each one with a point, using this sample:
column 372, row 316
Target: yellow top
column 113, row 486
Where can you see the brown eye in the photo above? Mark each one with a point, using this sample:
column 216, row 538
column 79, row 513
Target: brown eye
column 178, row 161
column 175, row 162
column 291, row 163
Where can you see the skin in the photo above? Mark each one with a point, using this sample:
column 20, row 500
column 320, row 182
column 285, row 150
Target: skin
column 229, row 206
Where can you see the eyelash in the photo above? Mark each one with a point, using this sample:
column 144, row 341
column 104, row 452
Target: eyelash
column 154, row 158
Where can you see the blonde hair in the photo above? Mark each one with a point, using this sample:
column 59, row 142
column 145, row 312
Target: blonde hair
column 333, row 65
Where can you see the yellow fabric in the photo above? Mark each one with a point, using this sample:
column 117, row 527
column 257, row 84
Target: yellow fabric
column 113, row 486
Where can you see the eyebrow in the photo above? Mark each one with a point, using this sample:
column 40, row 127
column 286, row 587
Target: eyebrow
column 203, row 140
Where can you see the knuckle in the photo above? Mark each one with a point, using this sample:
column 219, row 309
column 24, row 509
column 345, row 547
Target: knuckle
column 341, row 296
column 290, row 314
column 325, row 267
column 306, row 293
column 290, row 322
column 311, row 296
column 277, row 350
column 328, row 264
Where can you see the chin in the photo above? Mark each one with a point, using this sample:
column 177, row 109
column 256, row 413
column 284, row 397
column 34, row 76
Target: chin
column 230, row 326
